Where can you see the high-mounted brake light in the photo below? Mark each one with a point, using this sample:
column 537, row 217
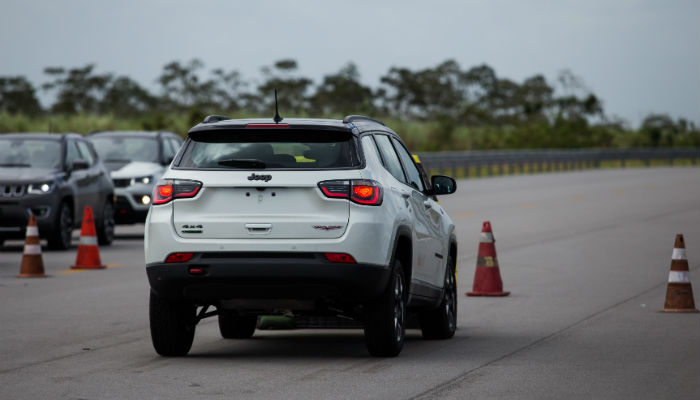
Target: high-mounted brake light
column 178, row 257
column 166, row 191
column 267, row 126
column 360, row 191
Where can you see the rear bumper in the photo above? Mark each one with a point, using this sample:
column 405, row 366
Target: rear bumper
column 272, row 276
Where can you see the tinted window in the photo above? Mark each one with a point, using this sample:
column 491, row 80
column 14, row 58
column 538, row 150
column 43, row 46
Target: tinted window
column 369, row 146
column 85, row 152
column 176, row 145
column 265, row 150
column 168, row 150
column 391, row 160
column 414, row 177
column 126, row 148
column 26, row 153
column 73, row 153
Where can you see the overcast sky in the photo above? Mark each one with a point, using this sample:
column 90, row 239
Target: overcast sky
column 639, row 56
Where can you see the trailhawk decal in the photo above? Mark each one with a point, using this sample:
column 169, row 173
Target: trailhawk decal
column 327, row 227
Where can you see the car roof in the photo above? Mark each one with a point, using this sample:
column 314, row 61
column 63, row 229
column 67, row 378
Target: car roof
column 356, row 124
column 39, row 135
column 130, row 133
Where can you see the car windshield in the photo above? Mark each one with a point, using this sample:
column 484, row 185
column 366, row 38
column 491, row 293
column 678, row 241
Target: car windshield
column 291, row 150
column 30, row 153
column 126, row 148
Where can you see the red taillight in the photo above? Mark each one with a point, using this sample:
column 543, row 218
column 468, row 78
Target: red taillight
column 335, row 189
column 365, row 194
column 176, row 189
column 361, row 191
column 340, row 258
column 267, row 126
column 164, row 193
column 178, row 257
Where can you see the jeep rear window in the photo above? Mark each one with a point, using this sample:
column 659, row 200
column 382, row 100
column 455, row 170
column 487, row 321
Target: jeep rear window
column 265, row 149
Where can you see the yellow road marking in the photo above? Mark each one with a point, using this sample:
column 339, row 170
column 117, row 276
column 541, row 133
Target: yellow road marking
column 465, row 214
column 75, row 271
column 528, row 205
column 70, row 271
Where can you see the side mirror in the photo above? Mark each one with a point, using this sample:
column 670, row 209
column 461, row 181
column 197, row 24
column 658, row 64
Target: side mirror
column 443, row 185
column 80, row 164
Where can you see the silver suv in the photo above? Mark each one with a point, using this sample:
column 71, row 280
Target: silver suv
column 136, row 160
column 306, row 217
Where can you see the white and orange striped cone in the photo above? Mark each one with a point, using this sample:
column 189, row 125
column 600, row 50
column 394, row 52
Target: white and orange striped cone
column 88, row 252
column 679, row 294
column 32, row 263
column 487, row 277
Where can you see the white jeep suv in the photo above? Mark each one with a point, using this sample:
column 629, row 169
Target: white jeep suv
column 306, row 217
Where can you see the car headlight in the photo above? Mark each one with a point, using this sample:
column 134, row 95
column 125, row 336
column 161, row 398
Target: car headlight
column 41, row 187
column 142, row 180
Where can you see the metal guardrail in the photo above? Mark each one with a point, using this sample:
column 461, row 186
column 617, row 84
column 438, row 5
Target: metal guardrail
column 466, row 164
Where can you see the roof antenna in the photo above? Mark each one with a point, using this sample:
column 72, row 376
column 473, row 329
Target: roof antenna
column 277, row 117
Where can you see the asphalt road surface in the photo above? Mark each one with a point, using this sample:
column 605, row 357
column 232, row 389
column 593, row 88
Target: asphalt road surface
column 586, row 256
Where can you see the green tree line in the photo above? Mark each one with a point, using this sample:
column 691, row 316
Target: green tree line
column 445, row 107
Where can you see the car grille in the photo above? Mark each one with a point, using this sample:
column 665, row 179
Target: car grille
column 12, row 190
column 122, row 183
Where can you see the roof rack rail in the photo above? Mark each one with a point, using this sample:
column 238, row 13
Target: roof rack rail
column 214, row 118
column 351, row 118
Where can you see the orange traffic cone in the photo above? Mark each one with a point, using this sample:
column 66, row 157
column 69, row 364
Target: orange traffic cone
column 32, row 263
column 679, row 294
column 487, row 278
column 88, row 252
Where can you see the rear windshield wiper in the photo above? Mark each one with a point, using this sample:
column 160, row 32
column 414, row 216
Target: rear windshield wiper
column 257, row 164
column 15, row 165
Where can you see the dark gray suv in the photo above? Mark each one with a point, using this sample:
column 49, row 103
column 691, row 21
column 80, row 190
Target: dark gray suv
column 53, row 176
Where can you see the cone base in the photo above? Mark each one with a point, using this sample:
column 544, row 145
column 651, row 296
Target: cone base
column 32, row 276
column 487, row 294
column 679, row 310
column 88, row 267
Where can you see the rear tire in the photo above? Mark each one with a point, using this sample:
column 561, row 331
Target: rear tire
column 385, row 325
column 232, row 325
column 172, row 326
column 105, row 231
column 441, row 323
column 61, row 236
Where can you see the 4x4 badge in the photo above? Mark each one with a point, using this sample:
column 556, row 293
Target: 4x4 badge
column 256, row 177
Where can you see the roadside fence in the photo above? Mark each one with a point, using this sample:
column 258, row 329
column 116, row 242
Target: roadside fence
column 474, row 164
